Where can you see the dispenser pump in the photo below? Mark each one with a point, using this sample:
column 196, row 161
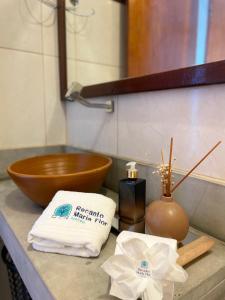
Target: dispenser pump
column 132, row 172
column 132, row 200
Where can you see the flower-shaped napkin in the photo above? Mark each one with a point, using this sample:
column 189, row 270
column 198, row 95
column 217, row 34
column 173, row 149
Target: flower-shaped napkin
column 144, row 266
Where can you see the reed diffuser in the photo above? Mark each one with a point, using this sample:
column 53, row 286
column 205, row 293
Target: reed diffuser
column 165, row 217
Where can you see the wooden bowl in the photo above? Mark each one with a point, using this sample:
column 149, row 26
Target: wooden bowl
column 41, row 177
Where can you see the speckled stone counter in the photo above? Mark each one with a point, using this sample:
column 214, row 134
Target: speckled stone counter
column 52, row 276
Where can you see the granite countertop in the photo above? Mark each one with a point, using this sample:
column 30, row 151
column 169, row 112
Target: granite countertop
column 53, row 276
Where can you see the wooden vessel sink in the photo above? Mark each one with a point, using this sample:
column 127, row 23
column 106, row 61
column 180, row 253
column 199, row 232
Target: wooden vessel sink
column 41, row 177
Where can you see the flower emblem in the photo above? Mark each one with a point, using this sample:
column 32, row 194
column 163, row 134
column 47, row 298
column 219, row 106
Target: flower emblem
column 63, row 211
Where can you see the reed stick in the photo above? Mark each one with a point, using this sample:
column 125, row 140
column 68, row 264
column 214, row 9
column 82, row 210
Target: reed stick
column 171, row 154
column 162, row 170
column 162, row 156
column 195, row 166
column 168, row 184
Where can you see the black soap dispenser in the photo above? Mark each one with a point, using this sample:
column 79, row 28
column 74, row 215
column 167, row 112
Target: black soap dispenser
column 132, row 201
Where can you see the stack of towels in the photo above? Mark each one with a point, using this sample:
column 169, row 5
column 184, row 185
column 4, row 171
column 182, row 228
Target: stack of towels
column 74, row 224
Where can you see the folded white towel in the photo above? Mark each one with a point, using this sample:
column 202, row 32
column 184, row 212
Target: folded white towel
column 74, row 224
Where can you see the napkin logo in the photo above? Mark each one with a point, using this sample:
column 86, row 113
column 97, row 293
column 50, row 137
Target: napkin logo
column 63, row 211
column 143, row 270
column 144, row 264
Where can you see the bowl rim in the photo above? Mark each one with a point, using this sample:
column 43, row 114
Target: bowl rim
column 108, row 164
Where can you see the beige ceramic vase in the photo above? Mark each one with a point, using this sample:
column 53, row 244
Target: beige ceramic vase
column 167, row 218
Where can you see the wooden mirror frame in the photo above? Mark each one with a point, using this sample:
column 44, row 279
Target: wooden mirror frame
column 205, row 74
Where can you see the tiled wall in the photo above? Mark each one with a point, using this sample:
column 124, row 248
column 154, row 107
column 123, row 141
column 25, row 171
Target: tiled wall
column 30, row 107
column 143, row 123
column 96, row 45
column 31, row 113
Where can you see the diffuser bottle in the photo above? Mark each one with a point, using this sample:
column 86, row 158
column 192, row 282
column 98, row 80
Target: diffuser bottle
column 132, row 201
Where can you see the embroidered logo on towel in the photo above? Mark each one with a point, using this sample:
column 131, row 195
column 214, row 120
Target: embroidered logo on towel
column 62, row 211
column 81, row 214
column 143, row 269
column 84, row 215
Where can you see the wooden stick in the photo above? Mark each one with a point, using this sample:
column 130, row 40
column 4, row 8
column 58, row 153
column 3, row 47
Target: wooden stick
column 213, row 148
column 162, row 156
column 171, row 153
column 163, row 167
column 168, row 185
column 194, row 249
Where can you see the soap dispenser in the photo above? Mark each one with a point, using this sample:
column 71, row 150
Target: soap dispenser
column 132, row 201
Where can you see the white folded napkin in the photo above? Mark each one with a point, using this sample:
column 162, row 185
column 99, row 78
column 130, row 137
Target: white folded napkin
column 144, row 266
column 74, row 224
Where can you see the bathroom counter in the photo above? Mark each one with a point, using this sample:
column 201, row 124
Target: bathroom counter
column 53, row 276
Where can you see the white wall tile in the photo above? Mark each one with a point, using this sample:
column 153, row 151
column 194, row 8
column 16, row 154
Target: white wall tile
column 71, row 71
column 50, row 31
column 209, row 213
column 55, row 112
column 18, row 29
column 91, row 128
column 30, row 113
column 22, row 122
column 70, row 33
column 195, row 117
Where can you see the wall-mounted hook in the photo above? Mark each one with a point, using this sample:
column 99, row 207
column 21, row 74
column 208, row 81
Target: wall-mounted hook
column 74, row 94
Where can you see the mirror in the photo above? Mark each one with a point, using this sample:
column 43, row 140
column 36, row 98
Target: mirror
column 95, row 36
column 160, row 37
